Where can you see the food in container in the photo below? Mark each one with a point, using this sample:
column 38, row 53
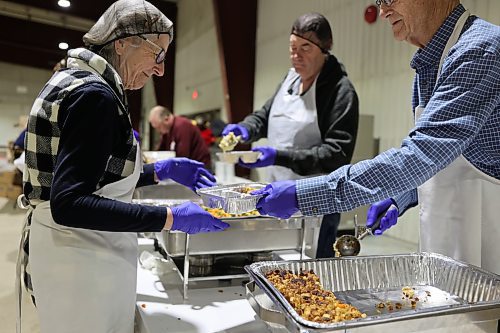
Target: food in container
column 221, row 214
column 306, row 295
column 228, row 142
column 389, row 289
column 233, row 199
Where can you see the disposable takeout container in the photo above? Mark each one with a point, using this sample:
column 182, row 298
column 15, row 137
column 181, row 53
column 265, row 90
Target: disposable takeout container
column 230, row 198
column 153, row 156
column 234, row 156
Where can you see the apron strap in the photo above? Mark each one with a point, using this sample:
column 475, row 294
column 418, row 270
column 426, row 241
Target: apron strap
column 454, row 37
column 22, row 269
column 23, row 202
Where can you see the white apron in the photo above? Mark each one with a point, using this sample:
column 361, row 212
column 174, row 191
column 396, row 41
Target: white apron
column 84, row 280
column 292, row 123
column 459, row 206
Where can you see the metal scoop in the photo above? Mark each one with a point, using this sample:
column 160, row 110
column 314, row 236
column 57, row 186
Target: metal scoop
column 348, row 245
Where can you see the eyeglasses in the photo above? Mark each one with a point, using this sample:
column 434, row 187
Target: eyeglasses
column 385, row 2
column 160, row 55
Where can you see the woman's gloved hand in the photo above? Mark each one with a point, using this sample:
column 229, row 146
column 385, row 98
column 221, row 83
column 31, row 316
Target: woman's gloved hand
column 267, row 157
column 280, row 199
column 192, row 219
column 137, row 135
column 184, row 171
column 390, row 218
column 237, row 130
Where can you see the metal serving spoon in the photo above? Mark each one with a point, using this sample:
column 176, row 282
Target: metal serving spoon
column 348, row 245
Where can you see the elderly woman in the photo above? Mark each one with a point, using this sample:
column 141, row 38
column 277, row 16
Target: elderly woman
column 82, row 165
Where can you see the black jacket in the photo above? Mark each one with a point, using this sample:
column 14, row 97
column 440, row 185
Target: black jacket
column 337, row 108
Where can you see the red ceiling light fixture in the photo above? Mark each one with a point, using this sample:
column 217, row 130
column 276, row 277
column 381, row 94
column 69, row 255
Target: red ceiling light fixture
column 371, row 14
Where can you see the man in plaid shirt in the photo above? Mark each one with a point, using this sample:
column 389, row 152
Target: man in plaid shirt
column 452, row 154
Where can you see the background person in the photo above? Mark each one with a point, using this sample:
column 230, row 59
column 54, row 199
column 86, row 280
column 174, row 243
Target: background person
column 18, row 154
column 82, row 166
column 451, row 155
column 205, row 131
column 311, row 121
column 180, row 135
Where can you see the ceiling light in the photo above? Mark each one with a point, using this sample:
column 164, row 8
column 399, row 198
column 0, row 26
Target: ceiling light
column 21, row 89
column 63, row 46
column 64, row 3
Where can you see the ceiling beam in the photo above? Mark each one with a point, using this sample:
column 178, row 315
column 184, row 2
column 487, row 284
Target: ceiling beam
column 44, row 16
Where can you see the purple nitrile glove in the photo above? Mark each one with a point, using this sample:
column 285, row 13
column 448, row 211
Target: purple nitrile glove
column 192, row 219
column 267, row 157
column 137, row 135
column 237, row 130
column 388, row 209
column 184, row 171
column 280, row 199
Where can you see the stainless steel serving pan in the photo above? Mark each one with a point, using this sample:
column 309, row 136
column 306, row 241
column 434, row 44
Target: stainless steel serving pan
column 247, row 234
column 449, row 289
column 244, row 235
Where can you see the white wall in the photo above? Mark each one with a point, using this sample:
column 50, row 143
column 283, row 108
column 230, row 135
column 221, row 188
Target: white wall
column 13, row 104
column 197, row 64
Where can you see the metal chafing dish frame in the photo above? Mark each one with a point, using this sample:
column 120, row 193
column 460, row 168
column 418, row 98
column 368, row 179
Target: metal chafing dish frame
column 179, row 244
column 478, row 289
column 244, row 224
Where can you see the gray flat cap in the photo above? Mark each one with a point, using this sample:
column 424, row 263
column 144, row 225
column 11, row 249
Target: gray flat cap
column 127, row 18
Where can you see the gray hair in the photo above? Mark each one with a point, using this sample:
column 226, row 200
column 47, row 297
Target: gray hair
column 161, row 112
column 108, row 51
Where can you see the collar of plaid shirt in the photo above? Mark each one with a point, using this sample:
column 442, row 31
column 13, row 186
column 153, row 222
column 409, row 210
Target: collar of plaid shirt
column 84, row 59
column 431, row 53
column 43, row 133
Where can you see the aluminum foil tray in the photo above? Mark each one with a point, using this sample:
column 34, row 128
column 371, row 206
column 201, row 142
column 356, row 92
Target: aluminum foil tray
column 230, row 198
column 444, row 286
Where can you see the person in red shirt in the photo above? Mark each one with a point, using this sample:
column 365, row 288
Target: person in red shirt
column 205, row 130
column 179, row 134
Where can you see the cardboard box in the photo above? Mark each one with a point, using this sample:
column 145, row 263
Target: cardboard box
column 7, row 177
column 14, row 191
column 3, row 190
column 10, row 191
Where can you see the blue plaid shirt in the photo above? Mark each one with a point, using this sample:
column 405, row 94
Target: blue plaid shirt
column 461, row 117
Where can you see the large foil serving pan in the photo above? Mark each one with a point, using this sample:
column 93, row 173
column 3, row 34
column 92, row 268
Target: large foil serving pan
column 444, row 286
column 230, row 198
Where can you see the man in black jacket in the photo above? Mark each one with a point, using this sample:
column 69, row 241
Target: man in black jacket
column 311, row 121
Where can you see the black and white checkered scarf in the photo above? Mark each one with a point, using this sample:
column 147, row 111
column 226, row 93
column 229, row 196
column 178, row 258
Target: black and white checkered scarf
column 42, row 137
